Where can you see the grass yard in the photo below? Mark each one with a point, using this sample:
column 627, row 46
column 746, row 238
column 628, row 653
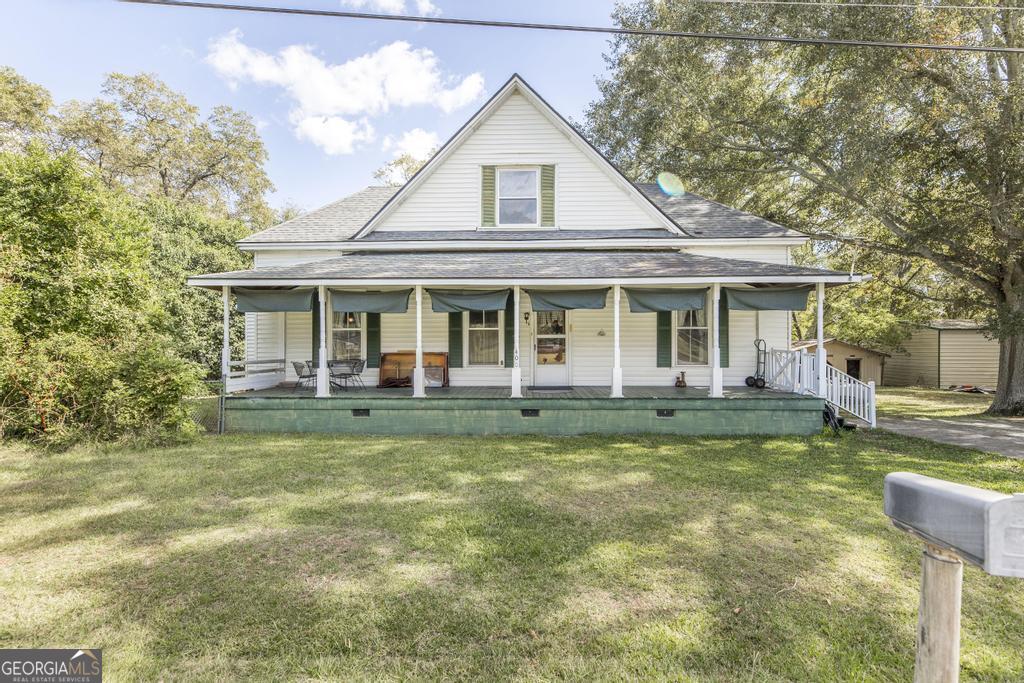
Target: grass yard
column 920, row 402
column 281, row 557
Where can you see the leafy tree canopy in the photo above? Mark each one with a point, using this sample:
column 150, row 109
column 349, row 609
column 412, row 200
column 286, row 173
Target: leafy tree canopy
column 24, row 109
column 80, row 352
column 150, row 139
column 397, row 172
column 915, row 154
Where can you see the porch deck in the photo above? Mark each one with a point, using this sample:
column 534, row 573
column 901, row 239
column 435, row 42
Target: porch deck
column 564, row 393
column 490, row 410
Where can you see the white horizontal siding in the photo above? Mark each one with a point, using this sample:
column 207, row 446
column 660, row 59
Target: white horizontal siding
column 298, row 339
column 264, row 336
column 745, row 252
column 291, row 257
column 518, row 133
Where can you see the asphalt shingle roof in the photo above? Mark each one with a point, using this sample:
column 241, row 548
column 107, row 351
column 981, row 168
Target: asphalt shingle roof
column 505, row 265
column 341, row 220
column 332, row 223
column 702, row 217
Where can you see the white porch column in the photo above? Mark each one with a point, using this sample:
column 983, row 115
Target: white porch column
column 715, row 391
column 820, row 357
column 323, row 376
column 616, row 350
column 418, row 384
column 517, row 375
column 225, row 351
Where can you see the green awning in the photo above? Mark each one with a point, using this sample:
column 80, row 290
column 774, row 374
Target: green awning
column 460, row 300
column 768, row 298
column 273, row 300
column 397, row 301
column 658, row 300
column 567, row 299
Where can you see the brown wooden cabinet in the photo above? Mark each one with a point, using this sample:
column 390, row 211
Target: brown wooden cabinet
column 396, row 369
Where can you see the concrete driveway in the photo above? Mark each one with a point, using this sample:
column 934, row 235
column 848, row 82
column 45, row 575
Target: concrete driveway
column 994, row 435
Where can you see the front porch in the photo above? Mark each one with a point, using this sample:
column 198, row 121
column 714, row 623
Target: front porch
column 621, row 328
column 491, row 410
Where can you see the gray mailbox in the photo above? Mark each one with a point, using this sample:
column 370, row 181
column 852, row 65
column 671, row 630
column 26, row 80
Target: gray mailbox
column 983, row 527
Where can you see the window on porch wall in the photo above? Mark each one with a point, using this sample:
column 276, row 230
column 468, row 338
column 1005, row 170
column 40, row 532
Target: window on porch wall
column 484, row 338
column 692, row 337
column 347, row 336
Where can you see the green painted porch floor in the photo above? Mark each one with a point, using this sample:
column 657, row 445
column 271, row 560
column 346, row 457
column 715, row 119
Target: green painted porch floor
column 573, row 393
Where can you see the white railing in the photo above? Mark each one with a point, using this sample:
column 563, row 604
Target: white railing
column 797, row 372
column 852, row 395
column 792, row 371
column 255, row 374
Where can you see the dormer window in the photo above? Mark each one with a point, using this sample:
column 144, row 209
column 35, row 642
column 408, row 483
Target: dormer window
column 517, row 196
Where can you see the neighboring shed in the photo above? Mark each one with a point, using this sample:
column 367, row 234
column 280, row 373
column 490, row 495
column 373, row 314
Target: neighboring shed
column 945, row 353
column 856, row 361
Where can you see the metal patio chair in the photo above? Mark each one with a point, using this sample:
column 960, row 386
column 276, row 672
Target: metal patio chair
column 306, row 374
column 344, row 371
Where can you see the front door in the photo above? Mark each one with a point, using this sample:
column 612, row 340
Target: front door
column 552, row 349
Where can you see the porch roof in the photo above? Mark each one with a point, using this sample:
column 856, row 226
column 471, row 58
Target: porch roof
column 524, row 267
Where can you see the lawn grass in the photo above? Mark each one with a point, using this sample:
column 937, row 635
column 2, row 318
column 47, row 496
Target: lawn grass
column 284, row 557
column 906, row 402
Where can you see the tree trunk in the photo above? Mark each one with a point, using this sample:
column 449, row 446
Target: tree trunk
column 1009, row 398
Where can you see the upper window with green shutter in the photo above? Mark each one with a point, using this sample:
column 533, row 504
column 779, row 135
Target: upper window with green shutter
column 518, row 196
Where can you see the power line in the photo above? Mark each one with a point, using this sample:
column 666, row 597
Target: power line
column 576, row 28
column 861, row 5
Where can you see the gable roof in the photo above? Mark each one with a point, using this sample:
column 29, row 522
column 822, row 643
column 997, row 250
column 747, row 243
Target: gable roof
column 516, row 84
column 341, row 220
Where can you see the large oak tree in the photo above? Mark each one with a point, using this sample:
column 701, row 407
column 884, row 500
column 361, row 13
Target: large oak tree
column 913, row 153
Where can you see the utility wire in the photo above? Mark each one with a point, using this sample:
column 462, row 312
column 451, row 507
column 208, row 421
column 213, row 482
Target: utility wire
column 863, row 5
column 576, row 28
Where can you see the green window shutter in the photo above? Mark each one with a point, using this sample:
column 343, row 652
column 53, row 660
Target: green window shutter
column 373, row 340
column 547, row 195
column 455, row 340
column 723, row 332
column 487, row 197
column 315, row 353
column 664, row 339
column 510, row 331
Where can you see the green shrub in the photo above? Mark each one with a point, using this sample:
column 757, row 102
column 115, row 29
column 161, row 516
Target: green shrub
column 82, row 354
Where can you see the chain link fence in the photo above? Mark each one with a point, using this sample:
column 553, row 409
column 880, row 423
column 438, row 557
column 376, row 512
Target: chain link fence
column 207, row 410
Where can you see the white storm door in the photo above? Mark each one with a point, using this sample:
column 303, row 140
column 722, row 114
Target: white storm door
column 551, row 349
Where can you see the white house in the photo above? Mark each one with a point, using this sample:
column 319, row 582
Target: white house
column 524, row 261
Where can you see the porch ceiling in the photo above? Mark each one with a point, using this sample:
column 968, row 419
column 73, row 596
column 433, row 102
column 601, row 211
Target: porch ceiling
column 527, row 267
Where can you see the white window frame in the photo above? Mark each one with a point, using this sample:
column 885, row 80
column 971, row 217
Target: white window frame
column 676, row 326
column 497, row 196
column 362, row 334
column 501, row 342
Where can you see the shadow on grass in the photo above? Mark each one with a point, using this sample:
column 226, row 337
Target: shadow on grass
column 489, row 558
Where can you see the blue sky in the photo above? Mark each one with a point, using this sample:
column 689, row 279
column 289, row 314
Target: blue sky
column 334, row 99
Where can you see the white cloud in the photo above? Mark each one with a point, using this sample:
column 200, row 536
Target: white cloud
column 333, row 134
column 332, row 103
column 417, row 143
column 424, row 8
